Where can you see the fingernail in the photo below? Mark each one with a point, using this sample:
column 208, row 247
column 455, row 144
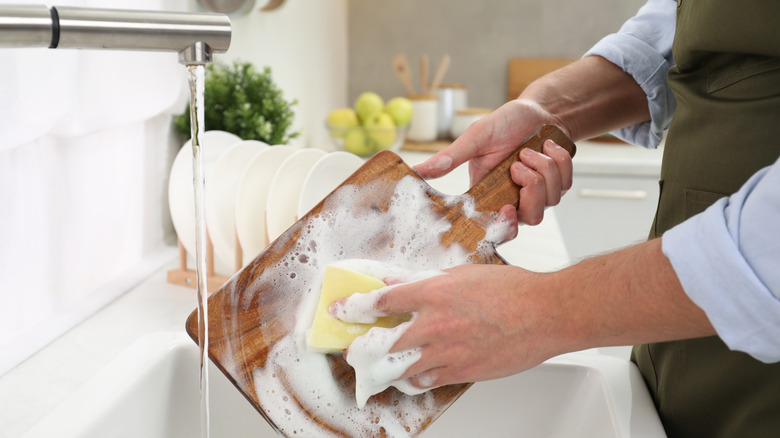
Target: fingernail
column 526, row 152
column 335, row 308
column 426, row 379
column 548, row 146
column 519, row 166
column 442, row 162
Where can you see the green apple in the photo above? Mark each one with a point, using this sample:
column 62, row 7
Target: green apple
column 340, row 120
column 355, row 141
column 400, row 109
column 381, row 129
column 368, row 104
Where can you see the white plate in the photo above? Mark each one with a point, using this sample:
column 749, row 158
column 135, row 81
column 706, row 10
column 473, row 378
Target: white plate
column 221, row 197
column 181, row 198
column 251, row 198
column 282, row 205
column 327, row 173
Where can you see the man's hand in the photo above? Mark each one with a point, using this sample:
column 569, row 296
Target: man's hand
column 544, row 177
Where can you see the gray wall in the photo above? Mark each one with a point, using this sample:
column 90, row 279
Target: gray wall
column 480, row 36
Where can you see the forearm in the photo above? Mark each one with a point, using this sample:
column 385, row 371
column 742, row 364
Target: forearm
column 590, row 97
column 627, row 297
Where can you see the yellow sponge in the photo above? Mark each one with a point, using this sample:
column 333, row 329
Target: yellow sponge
column 331, row 335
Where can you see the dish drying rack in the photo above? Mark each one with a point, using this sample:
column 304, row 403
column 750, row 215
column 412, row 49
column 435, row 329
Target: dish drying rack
column 184, row 276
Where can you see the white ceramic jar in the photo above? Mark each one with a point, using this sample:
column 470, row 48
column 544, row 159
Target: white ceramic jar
column 450, row 98
column 463, row 118
column 423, row 125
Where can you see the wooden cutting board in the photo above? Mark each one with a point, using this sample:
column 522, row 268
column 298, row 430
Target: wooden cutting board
column 251, row 314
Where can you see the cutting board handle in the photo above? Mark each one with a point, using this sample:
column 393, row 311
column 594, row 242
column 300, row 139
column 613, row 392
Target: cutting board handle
column 497, row 189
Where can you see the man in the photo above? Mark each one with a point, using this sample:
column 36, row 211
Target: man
column 712, row 273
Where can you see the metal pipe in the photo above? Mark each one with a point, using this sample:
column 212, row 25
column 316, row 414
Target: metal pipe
column 25, row 26
column 82, row 28
column 195, row 36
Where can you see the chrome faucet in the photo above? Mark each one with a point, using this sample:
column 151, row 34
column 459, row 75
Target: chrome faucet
column 195, row 36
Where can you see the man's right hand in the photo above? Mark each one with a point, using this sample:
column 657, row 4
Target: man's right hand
column 544, row 177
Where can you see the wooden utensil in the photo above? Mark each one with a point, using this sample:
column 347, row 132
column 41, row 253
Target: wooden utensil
column 402, row 71
column 444, row 64
column 249, row 315
column 424, row 90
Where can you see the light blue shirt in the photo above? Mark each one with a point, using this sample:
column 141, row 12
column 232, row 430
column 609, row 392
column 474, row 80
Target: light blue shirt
column 643, row 48
column 728, row 257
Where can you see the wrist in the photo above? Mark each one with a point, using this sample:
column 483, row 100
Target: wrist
column 589, row 97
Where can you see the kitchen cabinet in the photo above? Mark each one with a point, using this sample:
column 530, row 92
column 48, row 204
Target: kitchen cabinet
column 613, row 198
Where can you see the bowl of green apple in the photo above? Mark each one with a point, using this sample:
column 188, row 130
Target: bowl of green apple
column 371, row 125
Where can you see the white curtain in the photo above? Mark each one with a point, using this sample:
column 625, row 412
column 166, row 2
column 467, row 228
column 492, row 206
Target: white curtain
column 85, row 150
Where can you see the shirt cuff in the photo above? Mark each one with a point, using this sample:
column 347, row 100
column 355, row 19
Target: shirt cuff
column 649, row 69
column 716, row 276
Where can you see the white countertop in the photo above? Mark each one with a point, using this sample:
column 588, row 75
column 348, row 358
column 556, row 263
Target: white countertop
column 32, row 389
column 36, row 386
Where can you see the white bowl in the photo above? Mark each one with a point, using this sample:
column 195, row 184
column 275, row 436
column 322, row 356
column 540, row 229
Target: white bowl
column 221, row 197
column 282, row 204
column 251, row 199
column 181, row 198
column 327, row 173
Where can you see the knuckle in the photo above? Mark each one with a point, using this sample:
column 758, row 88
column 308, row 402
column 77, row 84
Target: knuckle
column 548, row 164
column 535, row 181
column 382, row 302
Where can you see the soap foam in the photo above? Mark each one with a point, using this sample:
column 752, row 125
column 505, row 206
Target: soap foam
column 296, row 385
column 375, row 368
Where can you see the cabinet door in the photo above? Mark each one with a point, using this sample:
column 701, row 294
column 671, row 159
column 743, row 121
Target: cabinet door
column 603, row 213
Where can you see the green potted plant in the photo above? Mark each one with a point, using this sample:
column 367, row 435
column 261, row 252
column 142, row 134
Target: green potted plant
column 245, row 102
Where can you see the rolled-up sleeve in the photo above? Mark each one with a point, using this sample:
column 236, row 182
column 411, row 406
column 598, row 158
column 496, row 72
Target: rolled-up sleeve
column 728, row 261
column 643, row 48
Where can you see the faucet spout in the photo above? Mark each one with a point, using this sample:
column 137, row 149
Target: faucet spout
column 195, row 36
column 196, row 54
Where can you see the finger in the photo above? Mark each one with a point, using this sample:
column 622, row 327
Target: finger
column 548, row 168
column 411, row 277
column 432, row 369
column 463, row 149
column 427, row 379
column 563, row 161
column 360, row 307
column 507, row 223
column 436, row 166
column 396, row 298
column 533, row 193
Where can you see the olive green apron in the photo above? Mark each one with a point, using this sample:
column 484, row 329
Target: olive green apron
column 726, row 127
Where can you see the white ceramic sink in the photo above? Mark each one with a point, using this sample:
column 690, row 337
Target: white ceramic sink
column 151, row 391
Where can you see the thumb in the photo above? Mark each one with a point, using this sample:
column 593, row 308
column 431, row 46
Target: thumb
column 436, row 166
column 463, row 149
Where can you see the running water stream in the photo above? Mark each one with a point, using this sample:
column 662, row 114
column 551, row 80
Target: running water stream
column 197, row 75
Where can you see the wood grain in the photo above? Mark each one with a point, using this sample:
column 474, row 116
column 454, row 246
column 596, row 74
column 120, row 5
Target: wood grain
column 249, row 314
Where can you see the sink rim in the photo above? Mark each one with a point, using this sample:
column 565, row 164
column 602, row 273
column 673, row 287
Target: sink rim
column 628, row 399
